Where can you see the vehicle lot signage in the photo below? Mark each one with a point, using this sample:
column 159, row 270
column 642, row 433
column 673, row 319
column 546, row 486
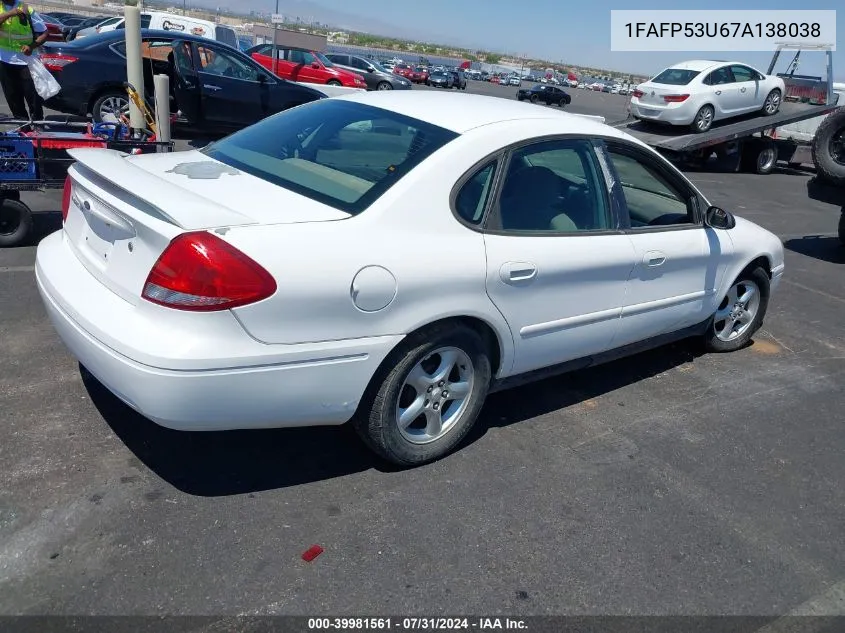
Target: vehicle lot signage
column 277, row 18
column 719, row 31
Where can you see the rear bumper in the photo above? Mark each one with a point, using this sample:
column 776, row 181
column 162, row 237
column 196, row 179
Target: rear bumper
column 673, row 114
column 188, row 386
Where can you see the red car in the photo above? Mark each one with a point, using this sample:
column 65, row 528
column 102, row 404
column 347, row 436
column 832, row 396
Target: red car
column 301, row 65
column 404, row 70
column 56, row 31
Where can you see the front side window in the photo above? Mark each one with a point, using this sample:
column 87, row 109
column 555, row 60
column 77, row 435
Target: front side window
column 651, row 198
column 554, row 186
column 301, row 57
column 339, row 153
column 222, row 64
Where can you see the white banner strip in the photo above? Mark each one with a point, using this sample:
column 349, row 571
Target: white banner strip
column 719, row 31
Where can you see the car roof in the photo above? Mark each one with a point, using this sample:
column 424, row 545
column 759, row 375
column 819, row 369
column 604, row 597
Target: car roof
column 463, row 112
column 701, row 64
column 109, row 36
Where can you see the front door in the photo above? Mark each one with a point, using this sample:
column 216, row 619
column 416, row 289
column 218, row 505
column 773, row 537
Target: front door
column 233, row 94
column 556, row 265
column 679, row 263
column 303, row 69
column 749, row 98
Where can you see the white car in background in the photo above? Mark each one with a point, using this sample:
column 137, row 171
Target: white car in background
column 286, row 275
column 698, row 93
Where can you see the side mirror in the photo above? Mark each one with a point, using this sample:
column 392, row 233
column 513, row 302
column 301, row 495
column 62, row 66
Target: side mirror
column 371, row 69
column 717, row 218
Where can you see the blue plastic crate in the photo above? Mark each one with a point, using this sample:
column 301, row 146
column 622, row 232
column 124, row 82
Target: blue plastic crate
column 17, row 158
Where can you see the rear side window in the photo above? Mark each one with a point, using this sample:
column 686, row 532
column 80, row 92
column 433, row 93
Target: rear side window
column 339, row 153
column 676, row 77
column 227, row 36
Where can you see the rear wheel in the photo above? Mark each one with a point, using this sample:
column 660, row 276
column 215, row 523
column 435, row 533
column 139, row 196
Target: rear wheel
column 740, row 313
column 427, row 396
column 111, row 107
column 15, row 222
column 772, row 103
column 384, row 85
column 759, row 156
column 703, row 119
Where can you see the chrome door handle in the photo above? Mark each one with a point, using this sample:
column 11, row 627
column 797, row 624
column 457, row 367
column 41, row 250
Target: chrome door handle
column 742, row 89
column 211, row 87
column 517, row 272
column 718, row 92
column 654, row 258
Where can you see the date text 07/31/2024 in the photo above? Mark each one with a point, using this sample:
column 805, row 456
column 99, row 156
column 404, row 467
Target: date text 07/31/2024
column 415, row 624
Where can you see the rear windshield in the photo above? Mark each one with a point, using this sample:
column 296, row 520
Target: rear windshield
column 339, row 153
column 227, row 36
column 676, row 76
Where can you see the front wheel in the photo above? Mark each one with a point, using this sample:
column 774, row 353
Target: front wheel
column 703, row 119
column 333, row 82
column 740, row 313
column 563, row 103
column 384, row 85
column 427, row 397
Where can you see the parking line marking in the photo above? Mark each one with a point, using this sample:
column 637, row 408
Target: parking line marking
column 799, row 620
column 17, row 269
column 821, row 292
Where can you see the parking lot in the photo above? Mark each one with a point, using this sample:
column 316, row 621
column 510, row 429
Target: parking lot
column 667, row 483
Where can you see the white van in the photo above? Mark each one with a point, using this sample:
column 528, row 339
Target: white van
column 161, row 21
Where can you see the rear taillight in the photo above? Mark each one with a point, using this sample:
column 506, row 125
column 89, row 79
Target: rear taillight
column 66, row 195
column 200, row 272
column 637, row 93
column 57, row 61
column 675, row 98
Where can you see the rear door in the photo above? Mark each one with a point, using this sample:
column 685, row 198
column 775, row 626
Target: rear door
column 721, row 91
column 186, row 88
column 557, row 265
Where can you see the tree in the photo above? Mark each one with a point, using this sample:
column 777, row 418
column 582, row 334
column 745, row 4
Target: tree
column 492, row 58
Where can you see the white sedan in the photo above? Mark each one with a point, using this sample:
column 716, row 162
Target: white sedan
column 388, row 258
column 697, row 93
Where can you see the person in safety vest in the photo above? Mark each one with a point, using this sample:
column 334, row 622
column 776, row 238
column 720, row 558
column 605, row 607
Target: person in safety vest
column 21, row 31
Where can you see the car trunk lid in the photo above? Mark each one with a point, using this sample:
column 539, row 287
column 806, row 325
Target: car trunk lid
column 124, row 211
column 654, row 93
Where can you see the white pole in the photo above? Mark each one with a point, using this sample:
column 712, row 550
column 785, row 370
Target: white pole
column 162, row 94
column 134, row 64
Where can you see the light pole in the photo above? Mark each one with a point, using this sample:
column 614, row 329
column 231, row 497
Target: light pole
column 275, row 40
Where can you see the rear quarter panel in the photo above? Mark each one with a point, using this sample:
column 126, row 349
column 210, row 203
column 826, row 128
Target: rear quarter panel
column 438, row 264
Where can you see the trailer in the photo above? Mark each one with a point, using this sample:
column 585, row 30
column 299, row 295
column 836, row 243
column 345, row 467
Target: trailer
column 750, row 143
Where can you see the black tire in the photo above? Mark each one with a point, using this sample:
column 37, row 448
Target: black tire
column 562, row 103
column 15, row 223
column 842, row 227
column 759, row 156
column 772, row 103
column 103, row 99
column 333, row 82
column 375, row 420
column 702, row 121
column 534, row 99
column 830, row 165
column 712, row 343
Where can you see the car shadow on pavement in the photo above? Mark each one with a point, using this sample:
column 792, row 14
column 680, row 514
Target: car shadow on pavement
column 552, row 394
column 212, row 464
column 827, row 249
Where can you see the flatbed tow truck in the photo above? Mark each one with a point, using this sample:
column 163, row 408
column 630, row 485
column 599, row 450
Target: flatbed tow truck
column 749, row 143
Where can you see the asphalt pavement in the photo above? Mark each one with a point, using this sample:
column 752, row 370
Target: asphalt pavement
column 667, row 483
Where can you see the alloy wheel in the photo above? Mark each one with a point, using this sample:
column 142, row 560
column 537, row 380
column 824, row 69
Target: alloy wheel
column 772, row 103
column 737, row 311
column 705, row 118
column 113, row 108
column 434, row 396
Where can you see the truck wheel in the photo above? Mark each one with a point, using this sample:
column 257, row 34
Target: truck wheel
column 703, row 119
column 15, row 222
column 842, row 227
column 759, row 156
column 829, row 148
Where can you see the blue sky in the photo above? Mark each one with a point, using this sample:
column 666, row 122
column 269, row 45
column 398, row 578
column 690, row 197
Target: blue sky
column 573, row 31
